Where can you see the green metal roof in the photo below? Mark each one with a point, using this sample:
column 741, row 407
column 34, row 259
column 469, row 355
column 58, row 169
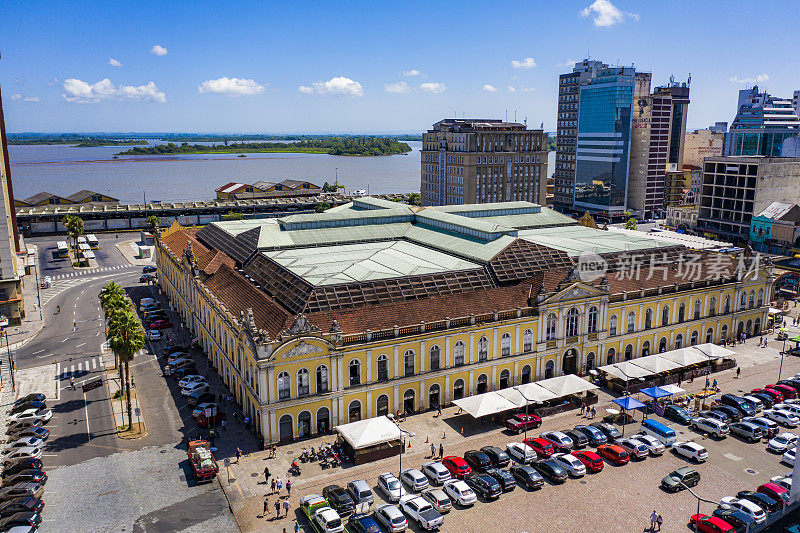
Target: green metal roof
column 546, row 217
column 273, row 237
column 477, row 210
column 331, row 265
column 235, row 227
column 351, row 217
column 458, row 244
column 577, row 239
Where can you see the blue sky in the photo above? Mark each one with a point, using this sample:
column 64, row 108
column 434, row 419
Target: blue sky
column 359, row 67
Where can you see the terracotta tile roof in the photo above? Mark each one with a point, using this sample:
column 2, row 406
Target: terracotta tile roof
column 381, row 316
column 217, row 261
column 238, row 294
column 208, row 259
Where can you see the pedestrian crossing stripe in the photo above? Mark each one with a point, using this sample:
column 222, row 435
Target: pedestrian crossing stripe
column 92, row 271
column 89, row 365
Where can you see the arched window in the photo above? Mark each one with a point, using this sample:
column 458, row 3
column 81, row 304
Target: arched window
column 712, row 306
column 694, row 339
column 697, row 306
column 590, row 361
column 526, row 374
column 629, row 352
column 552, row 320
column 665, row 316
column 505, row 345
column 710, row 335
column 458, row 389
column 749, row 330
column 435, row 357
column 303, row 383
column 383, row 367
column 662, row 345
column 383, row 405
column 743, row 302
column 354, row 411
column 284, row 386
column 458, row 352
column 723, row 332
column 355, row 372
column 648, row 318
column 678, row 341
column 549, row 370
column 572, row 323
column 409, row 363
column 631, row 322
column 322, row 379
column 752, row 302
column 645, row 348
column 760, row 301
column 727, row 303
column 505, row 379
column 303, row 424
column 612, row 325
column 611, row 357
column 527, row 341
column 592, row 320
column 483, row 381
column 409, row 401
column 483, row 349
column 757, row 326
column 682, row 312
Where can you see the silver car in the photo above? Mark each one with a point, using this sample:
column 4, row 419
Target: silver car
column 391, row 517
column 360, row 492
column 439, row 499
column 436, row 472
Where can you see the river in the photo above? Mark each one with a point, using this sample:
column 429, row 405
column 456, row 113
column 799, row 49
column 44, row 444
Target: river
column 63, row 170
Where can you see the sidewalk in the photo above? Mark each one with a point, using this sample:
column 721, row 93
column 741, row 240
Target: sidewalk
column 119, row 406
column 128, row 252
column 33, row 322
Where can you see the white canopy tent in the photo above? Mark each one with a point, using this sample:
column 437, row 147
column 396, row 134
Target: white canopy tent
column 685, row 356
column 485, row 404
column 712, row 350
column 672, row 389
column 566, row 385
column 369, row 432
column 655, row 364
column 535, row 393
column 625, row 370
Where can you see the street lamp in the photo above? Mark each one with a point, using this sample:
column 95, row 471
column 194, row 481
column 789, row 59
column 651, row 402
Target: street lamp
column 527, row 403
column 699, row 499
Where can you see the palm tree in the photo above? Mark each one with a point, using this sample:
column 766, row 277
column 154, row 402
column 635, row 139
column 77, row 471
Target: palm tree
column 126, row 338
column 74, row 226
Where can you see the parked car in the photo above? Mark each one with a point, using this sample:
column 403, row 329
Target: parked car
column 709, row 524
column 18, row 465
column 677, row 414
column 789, row 393
column 652, row 444
column 439, row 499
column 767, row 400
column 200, row 409
column 498, row 457
column 144, row 278
column 690, row 450
column 594, row 435
column 193, row 388
column 161, row 324
column 782, row 481
column 25, row 442
column 414, row 479
column 363, row 524
column 714, row 414
column 457, row 466
column 391, row 487
column 749, row 508
column 339, row 499
column 768, row 427
column 33, row 397
column 181, row 373
column 788, row 456
column 460, row 492
column 421, row 511
column 634, row 448
column 739, row 520
column 680, row 479
column 521, row 453
column 181, row 362
column 23, row 504
column 32, row 490
column 775, row 395
column 436, row 472
column 542, row 447
column 614, row 454
column 34, row 431
column 592, row 461
column 551, row 469
column 791, row 407
column 23, row 519
column 26, row 476
column 579, row 440
column 174, row 348
column 769, row 504
column 784, row 418
column 485, row 485
column 522, row 422
column 391, row 517
column 712, row 426
column 608, row 430
column 757, row 403
column 571, row 464
column 527, row 476
column 734, row 414
column 191, row 378
column 746, row 430
column 775, row 491
column 479, row 461
column 200, row 397
column 791, row 382
column 360, row 492
column 503, row 477
column 32, row 404
column 149, row 268
column 154, row 335
column 744, row 407
column 32, row 414
column 558, row 439
column 21, row 453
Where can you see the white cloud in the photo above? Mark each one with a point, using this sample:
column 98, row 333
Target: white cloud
column 114, row 62
column 605, row 14
column 567, row 63
column 512, row 89
column 81, row 92
column 401, row 87
column 16, row 96
column 489, row 88
column 231, row 86
column 53, row 82
column 32, row 99
column 528, row 62
column 158, row 50
column 412, row 72
column 338, row 85
column 759, row 78
column 432, row 87
column 527, row 89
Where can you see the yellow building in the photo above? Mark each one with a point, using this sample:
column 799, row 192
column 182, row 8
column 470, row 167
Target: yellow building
column 374, row 307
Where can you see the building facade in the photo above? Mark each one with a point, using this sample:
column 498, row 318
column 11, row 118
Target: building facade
column 699, row 144
column 776, row 229
column 466, row 161
column 12, row 305
column 411, row 309
column 762, row 123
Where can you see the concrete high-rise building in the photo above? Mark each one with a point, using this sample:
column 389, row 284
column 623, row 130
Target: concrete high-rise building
column 700, row 144
column 762, row 123
column 12, row 307
column 469, row 161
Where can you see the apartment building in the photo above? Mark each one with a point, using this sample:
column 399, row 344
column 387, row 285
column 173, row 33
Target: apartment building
column 12, row 308
column 466, row 161
column 762, row 123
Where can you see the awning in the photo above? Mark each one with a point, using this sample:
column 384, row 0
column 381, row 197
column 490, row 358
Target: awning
column 685, row 356
column 672, row 389
column 625, row 370
column 655, row 392
column 514, row 396
column 535, row 392
column 629, row 403
column 655, row 364
column 366, row 433
column 710, row 349
column 489, row 403
column 566, row 385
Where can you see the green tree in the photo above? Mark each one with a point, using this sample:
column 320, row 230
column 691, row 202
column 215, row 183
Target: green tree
column 232, row 215
column 113, row 300
column 322, row 207
column 415, row 199
column 153, row 223
column 126, row 339
column 631, row 222
column 74, row 226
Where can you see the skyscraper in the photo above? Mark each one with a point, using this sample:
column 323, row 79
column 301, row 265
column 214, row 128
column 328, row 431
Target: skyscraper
column 11, row 303
column 762, row 123
column 472, row 161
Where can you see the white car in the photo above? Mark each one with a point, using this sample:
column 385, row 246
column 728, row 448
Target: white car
column 633, row 447
column 758, row 405
column 791, row 407
column 328, row 520
column 200, row 409
column 29, row 442
column 154, row 335
column 32, row 414
column 558, row 439
column 191, row 378
column 570, row 463
column 746, row 506
column 653, row 445
column 391, row 517
column 144, row 302
column 415, row 479
column 436, row 472
column 713, row 427
column 199, row 386
column 782, row 442
column 784, row 418
column 460, row 492
column 421, row 511
column 521, row 453
column 21, row 453
column 690, row 450
column 788, row 456
column 391, row 487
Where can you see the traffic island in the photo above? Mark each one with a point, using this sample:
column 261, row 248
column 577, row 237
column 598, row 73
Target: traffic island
column 119, row 404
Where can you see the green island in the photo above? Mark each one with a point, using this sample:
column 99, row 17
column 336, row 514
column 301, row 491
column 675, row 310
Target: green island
column 344, row 146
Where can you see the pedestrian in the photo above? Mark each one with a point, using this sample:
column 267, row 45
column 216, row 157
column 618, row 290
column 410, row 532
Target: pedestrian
column 441, row 450
column 247, row 421
column 659, row 520
column 296, row 527
column 433, row 450
column 278, row 508
column 594, row 412
column 238, row 455
column 274, row 451
column 286, row 509
column 272, row 487
column 279, row 485
column 288, row 487
column 222, row 423
column 582, row 407
column 653, row 518
column 440, row 409
column 266, row 475
column 266, row 505
column 133, row 382
column 738, row 371
column 715, row 385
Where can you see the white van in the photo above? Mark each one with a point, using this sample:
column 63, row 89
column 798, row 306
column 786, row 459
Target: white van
column 144, row 302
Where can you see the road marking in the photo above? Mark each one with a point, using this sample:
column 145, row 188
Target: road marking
column 81, row 344
column 49, row 455
column 72, row 369
column 40, row 351
column 94, row 364
column 86, row 410
column 58, row 376
column 64, row 339
column 732, row 457
column 97, row 334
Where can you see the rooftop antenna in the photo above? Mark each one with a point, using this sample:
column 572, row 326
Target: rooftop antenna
column 506, row 115
column 689, row 82
column 526, row 121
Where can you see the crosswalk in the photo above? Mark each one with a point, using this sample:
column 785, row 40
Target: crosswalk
column 81, row 368
column 63, row 282
column 92, row 271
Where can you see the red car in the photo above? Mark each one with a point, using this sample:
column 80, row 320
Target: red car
column 542, row 447
column 590, row 460
column 775, row 491
column 203, row 420
column 161, row 324
column 614, row 454
column 787, row 391
column 457, row 466
column 776, row 395
column 521, row 422
column 710, row 524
